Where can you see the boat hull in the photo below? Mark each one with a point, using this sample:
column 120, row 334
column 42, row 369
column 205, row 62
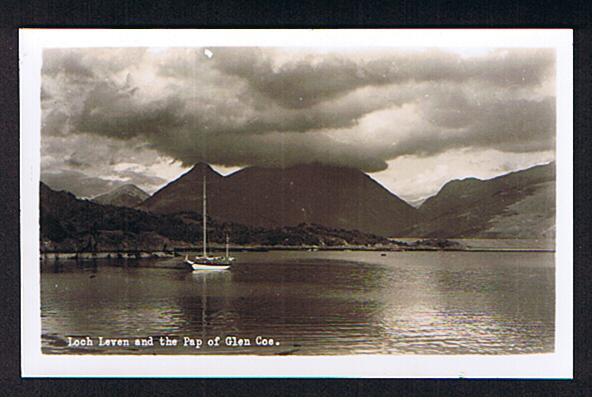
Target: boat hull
column 208, row 266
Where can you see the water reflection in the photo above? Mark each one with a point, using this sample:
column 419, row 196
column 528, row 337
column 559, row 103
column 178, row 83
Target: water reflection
column 329, row 303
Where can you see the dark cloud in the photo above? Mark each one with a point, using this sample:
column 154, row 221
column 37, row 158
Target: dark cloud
column 67, row 62
column 76, row 163
column 510, row 125
column 89, row 63
column 249, row 106
column 294, row 85
column 307, row 82
column 120, row 112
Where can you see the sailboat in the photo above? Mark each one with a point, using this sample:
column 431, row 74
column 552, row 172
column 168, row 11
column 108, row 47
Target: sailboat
column 204, row 262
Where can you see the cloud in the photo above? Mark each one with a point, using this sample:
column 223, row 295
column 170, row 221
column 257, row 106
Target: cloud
column 80, row 184
column 509, row 125
column 253, row 106
column 87, row 165
column 311, row 80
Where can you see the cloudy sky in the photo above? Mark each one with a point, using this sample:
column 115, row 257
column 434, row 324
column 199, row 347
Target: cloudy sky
column 412, row 118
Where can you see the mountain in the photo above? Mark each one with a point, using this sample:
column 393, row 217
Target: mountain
column 123, row 196
column 517, row 205
column 301, row 205
column 184, row 193
column 337, row 197
column 72, row 225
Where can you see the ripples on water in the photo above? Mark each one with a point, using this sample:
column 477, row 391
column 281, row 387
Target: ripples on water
column 320, row 303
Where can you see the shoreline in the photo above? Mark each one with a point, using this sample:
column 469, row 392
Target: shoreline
column 144, row 254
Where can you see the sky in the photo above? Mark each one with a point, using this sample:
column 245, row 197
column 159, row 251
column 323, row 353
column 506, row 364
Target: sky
column 413, row 119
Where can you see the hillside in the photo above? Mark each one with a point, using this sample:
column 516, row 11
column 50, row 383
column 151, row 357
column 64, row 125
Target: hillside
column 70, row 224
column 517, row 205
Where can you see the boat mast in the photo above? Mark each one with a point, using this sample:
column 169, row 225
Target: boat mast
column 204, row 218
column 226, row 246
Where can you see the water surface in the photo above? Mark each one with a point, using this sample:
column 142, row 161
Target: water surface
column 312, row 303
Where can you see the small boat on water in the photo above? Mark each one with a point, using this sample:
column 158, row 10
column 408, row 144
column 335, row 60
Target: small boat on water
column 205, row 262
column 209, row 263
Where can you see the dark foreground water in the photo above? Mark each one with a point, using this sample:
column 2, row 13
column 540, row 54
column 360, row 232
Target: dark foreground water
column 312, row 303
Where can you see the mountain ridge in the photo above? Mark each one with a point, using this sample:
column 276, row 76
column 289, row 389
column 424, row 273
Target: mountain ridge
column 520, row 204
column 517, row 204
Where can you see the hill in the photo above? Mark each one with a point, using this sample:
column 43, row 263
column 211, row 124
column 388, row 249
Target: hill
column 72, row 225
column 517, row 205
column 123, row 196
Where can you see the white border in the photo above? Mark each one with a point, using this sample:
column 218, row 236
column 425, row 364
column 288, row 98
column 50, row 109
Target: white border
column 36, row 364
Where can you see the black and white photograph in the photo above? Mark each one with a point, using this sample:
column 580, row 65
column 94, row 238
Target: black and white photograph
column 285, row 203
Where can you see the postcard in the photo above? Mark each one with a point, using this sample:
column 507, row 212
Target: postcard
column 296, row 203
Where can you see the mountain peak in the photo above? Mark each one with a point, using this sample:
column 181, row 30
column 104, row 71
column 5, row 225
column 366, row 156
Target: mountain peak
column 339, row 197
column 128, row 195
column 128, row 187
column 202, row 169
column 202, row 166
